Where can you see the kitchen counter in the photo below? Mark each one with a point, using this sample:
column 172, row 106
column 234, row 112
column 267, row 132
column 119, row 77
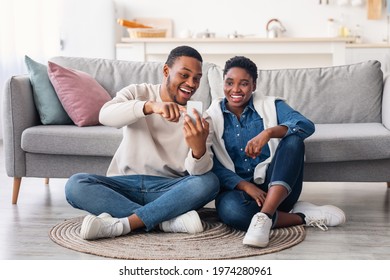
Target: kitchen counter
column 368, row 45
column 266, row 52
column 238, row 40
column 369, row 51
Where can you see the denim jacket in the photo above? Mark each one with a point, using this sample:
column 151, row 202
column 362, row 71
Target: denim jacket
column 237, row 132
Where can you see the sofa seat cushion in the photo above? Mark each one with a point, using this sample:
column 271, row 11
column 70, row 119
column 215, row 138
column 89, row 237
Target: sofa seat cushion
column 348, row 142
column 71, row 140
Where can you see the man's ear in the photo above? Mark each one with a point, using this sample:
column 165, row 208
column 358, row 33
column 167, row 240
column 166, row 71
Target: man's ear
column 165, row 70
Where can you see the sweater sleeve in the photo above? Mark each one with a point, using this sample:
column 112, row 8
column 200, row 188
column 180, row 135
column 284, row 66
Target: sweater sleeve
column 125, row 108
column 227, row 178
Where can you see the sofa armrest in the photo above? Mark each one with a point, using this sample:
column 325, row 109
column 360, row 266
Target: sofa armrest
column 386, row 102
column 19, row 113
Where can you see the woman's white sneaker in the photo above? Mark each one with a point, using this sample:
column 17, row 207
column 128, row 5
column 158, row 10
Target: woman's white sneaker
column 320, row 216
column 102, row 226
column 258, row 231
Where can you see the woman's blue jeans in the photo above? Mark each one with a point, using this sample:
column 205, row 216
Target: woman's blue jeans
column 153, row 199
column 236, row 208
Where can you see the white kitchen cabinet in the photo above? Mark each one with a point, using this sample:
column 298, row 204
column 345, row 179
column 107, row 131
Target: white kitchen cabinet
column 363, row 52
column 87, row 28
column 266, row 53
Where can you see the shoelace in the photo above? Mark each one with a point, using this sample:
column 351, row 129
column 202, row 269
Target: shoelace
column 109, row 227
column 319, row 223
column 260, row 221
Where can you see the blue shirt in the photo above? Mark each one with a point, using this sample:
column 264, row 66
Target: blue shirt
column 237, row 133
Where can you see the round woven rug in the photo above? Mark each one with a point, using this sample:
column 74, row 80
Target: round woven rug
column 217, row 241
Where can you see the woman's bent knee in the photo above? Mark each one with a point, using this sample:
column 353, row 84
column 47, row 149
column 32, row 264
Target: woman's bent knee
column 292, row 142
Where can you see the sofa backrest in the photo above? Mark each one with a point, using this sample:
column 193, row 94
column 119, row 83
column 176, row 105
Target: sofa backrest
column 113, row 75
column 338, row 94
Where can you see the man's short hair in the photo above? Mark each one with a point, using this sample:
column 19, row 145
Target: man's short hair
column 244, row 63
column 182, row 51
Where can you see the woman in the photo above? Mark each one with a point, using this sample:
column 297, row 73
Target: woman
column 259, row 158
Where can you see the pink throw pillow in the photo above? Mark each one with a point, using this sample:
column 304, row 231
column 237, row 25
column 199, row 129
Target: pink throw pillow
column 80, row 94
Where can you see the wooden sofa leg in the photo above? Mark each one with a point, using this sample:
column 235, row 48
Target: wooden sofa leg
column 16, row 188
column 47, row 181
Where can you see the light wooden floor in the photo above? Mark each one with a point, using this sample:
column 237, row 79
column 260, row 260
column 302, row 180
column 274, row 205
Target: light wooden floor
column 366, row 235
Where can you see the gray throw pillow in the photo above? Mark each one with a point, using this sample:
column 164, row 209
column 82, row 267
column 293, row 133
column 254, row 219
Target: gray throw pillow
column 46, row 101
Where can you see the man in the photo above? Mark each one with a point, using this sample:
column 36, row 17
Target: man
column 160, row 173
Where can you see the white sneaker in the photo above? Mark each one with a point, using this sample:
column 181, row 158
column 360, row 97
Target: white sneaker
column 102, row 226
column 105, row 215
column 188, row 222
column 320, row 216
column 258, row 231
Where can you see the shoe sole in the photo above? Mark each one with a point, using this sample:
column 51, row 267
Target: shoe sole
column 86, row 226
column 254, row 242
column 303, row 204
column 192, row 218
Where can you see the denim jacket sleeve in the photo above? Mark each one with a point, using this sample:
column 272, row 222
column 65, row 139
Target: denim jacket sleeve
column 227, row 178
column 295, row 121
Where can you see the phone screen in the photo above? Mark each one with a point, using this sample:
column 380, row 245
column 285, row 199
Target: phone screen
column 197, row 105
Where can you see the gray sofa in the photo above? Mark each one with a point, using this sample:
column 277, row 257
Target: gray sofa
column 349, row 104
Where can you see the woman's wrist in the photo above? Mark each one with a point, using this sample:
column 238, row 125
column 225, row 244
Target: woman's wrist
column 242, row 185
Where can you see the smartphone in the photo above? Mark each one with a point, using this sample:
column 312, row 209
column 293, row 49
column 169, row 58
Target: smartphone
column 197, row 105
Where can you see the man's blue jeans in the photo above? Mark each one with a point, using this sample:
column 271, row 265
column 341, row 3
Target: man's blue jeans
column 153, row 199
column 236, row 208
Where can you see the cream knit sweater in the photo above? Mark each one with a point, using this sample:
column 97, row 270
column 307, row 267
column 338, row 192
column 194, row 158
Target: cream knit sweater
column 151, row 145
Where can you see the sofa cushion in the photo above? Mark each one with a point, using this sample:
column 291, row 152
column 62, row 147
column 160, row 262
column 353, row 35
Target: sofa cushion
column 80, row 94
column 71, row 140
column 348, row 142
column 46, row 101
column 114, row 75
column 338, row 94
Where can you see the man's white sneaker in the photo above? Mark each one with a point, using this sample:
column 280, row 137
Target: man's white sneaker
column 102, row 226
column 258, row 231
column 105, row 215
column 320, row 216
column 188, row 222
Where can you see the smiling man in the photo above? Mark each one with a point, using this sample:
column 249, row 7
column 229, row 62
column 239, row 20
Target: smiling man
column 160, row 173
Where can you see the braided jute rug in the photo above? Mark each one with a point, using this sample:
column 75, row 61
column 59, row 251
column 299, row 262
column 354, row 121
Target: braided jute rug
column 216, row 242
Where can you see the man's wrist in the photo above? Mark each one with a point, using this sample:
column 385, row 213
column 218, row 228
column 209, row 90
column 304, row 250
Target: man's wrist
column 198, row 155
column 148, row 107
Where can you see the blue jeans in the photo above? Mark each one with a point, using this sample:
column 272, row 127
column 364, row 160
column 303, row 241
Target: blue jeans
column 236, row 208
column 153, row 199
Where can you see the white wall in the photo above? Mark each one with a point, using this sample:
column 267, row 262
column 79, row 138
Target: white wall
column 302, row 18
column 87, row 28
